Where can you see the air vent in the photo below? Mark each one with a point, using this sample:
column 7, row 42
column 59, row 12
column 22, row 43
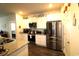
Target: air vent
column 25, row 17
column 38, row 15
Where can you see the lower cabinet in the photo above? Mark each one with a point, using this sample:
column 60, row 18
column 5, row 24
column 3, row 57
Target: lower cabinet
column 41, row 40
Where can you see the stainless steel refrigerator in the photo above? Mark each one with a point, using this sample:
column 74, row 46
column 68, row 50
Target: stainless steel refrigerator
column 54, row 35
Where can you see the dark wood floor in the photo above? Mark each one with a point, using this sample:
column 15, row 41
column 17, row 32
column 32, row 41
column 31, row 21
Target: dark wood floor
column 35, row 50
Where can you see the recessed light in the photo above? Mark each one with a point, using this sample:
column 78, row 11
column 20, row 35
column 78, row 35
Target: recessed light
column 20, row 12
column 50, row 6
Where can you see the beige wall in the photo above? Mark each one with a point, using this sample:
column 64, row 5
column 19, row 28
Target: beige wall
column 71, row 33
column 20, row 38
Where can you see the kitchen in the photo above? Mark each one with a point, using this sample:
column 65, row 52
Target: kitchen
column 54, row 26
column 35, row 28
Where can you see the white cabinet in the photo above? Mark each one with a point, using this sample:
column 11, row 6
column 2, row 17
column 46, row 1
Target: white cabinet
column 41, row 23
column 41, row 40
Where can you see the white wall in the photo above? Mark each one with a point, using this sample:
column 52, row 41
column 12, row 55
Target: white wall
column 4, row 23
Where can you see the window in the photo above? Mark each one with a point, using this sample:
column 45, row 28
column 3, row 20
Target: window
column 12, row 26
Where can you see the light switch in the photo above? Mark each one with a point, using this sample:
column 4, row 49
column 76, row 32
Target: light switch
column 78, row 26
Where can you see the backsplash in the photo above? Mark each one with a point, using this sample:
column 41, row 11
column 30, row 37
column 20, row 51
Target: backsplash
column 35, row 31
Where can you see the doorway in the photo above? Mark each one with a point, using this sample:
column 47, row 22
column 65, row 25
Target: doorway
column 13, row 30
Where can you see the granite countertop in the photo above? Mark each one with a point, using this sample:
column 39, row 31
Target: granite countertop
column 12, row 47
column 35, row 31
column 35, row 34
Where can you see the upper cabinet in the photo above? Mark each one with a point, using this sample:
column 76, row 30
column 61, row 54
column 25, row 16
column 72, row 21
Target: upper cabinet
column 41, row 22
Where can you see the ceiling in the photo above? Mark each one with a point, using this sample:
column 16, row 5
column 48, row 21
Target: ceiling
column 28, row 8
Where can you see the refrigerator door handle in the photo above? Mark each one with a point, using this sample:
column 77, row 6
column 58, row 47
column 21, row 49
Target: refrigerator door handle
column 53, row 37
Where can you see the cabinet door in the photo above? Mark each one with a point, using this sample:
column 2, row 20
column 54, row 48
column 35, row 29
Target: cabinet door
column 41, row 40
